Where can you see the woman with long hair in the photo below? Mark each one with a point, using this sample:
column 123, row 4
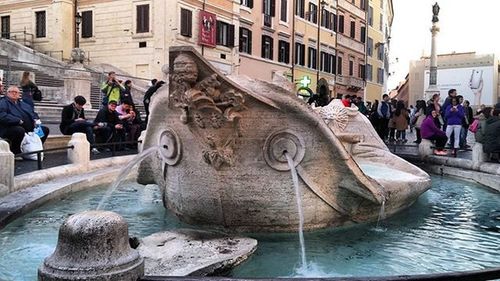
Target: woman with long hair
column 454, row 114
column 401, row 117
column 419, row 118
column 30, row 90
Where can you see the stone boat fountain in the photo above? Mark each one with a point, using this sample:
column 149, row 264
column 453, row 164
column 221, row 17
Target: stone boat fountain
column 222, row 144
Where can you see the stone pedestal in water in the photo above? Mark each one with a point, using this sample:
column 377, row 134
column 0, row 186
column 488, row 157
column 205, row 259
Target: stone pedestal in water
column 93, row 245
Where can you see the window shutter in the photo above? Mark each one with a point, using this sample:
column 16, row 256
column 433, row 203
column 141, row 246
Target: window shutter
column 230, row 39
column 271, row 43
column 273, row 8
column 218, row 33
column 87, row 24
column 341, row 24
column 334, row 20
column 363, row 34
column 142, row 18
column 249, row 41
column 339, row 65
column 250, row 4
column 186, row 22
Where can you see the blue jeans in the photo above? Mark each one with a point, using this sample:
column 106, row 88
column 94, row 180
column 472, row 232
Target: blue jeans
column 463, row 136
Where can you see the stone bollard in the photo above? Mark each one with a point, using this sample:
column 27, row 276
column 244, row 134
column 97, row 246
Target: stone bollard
column 478, row 156
column 7, row 170
column 92, row 246
column 425, row 149
column 80, row 154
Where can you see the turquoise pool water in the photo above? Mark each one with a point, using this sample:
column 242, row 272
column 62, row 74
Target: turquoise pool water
column 454, row 226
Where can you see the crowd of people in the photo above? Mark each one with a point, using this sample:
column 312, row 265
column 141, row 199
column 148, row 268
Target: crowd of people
column 118, row 121
column 445, row 125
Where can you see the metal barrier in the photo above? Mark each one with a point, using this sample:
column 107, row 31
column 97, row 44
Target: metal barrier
column 39, row 154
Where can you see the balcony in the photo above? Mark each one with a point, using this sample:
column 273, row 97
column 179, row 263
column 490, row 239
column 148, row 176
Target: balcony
column 350, row 43
column 355, row 10
column 350, row 82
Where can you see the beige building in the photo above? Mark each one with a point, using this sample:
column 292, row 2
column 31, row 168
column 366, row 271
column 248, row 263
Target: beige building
column 380, row 18
column 474, row 76
column 133, row 35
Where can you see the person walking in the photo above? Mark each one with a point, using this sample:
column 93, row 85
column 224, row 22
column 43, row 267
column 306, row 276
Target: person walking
column 454, row 114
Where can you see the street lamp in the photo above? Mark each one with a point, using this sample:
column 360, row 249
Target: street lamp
column 78, row 21
column 321, row 7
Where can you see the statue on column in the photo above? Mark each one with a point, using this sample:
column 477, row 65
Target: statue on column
column 435, row 11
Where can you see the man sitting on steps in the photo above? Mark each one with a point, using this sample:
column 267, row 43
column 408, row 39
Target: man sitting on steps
column 73, row 121
column 17, row 118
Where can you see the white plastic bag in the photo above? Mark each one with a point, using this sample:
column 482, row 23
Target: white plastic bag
column 31, row 142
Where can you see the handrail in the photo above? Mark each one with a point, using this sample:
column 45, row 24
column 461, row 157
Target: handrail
column 39, row 154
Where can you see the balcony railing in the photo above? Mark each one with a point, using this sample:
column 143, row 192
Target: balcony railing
column 350, row 81
column 350, row 43
column 268, row 20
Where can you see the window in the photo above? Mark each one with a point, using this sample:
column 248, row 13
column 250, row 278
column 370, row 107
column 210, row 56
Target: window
column 284, row 52
column 300, row 54
column 351, row 66
column 326, row 19
column 341, row 24
column 381, row 23
column 142, row 23
column 41, row 31
column 325, row 64
column 382, row 4
column 339, row 65
column 313, row 13
column 369, row 72
column 363, row 34
column 245, row 40
column 353, row 29
column 186, row 22
column 311, row 58
column 363, row 5
column 247, row 3
column 225, row 34
column 380, row 51
column 267, row 47
column 331, row 60
column 268, row 11
column 361, row 71
column 369, row 47
column 87, row 24
column 301, row 8
column 333, row 22
column 380, row 75
column 5, row 31
column 284, row 11
column 370, row 16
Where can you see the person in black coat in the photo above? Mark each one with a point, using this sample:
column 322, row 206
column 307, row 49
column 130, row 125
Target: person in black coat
column 149, row 93
column 126, row 93
column 30, row 92
column 73, row 121
column 17, row 118
column 109, row 127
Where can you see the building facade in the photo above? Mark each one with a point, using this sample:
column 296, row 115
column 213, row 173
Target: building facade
column 131, row 35
column 380, row 18
column 351, row 51
column 474, row 76
column 319, row 45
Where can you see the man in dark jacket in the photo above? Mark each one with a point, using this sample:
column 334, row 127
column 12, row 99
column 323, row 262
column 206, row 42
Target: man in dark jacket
column 149, row 93
column 73, row 121
column 109, row 127
column 492, row 132
column 16, row 119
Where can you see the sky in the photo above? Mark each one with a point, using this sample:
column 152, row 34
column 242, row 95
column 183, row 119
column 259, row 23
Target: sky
column 466, row 26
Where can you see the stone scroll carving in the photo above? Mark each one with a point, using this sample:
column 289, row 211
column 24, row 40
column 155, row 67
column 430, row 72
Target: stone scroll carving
column 208, row 106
